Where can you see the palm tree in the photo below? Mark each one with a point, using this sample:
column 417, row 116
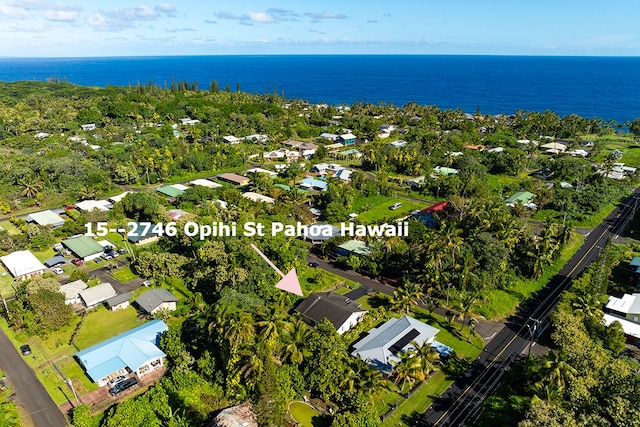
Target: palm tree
column 558, row 369
column 233, row 325
column 427, row 355
column 465, row 303
column 409, row 294
column 588, row 306
column 271, row 323
column 408, row 369
column 295, row 336
column 30, row 187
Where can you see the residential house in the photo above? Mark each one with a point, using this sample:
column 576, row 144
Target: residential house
column 347, row 139
column 258, row 197
column 442, row 170
column 155, row 300
column 205, row 183
column 475, row 147
column 386, row 128
column 95, row 295
column 625, row 310
column 176, row 214
column 236, row 416
column 273, row 155
column 522, row 197
column 397, row 144
column 344, row 175
column 230, row 139
column 319, row 233
column 256, row 137
column 428, row 216
column 381, row 346
column 136, row 350
column 142, row 235
column 54, row 261
column 72, row 291
column 119, row 197
column 313, row 184
column 88, row 127
column 333, row 148
column 292, row 143
column 260, row 170
column 233, row 178
column 83, row 247
column 41, row 135
column 189, row 121
column 307, row 149
column 353, row 153
column 342, row 312
column 90, row 205
column 320, row 168
column 23, row 265
column 416, row 182
column 329, row 136
column 174, row 190
column 118, row 302
column 356, row 247
column 45, row 218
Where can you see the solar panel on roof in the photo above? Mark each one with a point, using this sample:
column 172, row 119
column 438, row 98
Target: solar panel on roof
column 402, row 342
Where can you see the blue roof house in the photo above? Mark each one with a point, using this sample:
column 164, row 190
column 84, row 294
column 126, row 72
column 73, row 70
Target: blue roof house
column 314, row 184
column 133, row 351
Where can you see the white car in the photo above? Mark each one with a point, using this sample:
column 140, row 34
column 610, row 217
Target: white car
column 58, row 270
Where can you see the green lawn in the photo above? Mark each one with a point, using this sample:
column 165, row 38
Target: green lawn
column 373, row 209
column 100, row 324
column 316, row 279
column 11, row 229
column 6, row 282
column 306, row 416
column 124, row 274
column 501, row 303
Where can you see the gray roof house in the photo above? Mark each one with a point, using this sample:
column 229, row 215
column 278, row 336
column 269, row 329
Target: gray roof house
column 341, row 311
column 93, row 296
column 382, row 344
column 72, row 290
column 118, row 302
column 155, row 300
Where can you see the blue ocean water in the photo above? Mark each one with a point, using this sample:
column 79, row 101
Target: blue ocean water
column 605, row 87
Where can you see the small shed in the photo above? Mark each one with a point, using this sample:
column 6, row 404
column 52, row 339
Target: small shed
column 118, row 302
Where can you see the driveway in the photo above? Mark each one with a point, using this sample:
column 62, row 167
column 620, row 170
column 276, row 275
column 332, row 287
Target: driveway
column 30, row 393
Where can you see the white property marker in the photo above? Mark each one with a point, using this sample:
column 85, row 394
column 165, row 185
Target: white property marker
column 289, row 282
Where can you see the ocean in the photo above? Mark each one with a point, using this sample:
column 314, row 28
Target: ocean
column 604, row 87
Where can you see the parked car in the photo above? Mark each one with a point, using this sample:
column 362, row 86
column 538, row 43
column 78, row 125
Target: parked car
column 98, row 260
column 122, row 386
column 122, row 251
column 314, row 264
column 395, row 206
column 117, row 380
column 58, row 270
column 106, row 257
column 77, row 261
column 25, row 350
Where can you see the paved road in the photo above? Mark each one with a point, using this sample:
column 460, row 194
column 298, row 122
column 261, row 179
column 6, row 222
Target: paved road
column 30, row 392
column 461, row 402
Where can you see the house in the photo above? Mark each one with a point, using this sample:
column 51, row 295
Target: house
column 381, row 346
column 118, row 302
column 41, row 135
column 119, row 197
column 83, row 247
column 416, row 182
column 272, row 174
column 292, row 143
column 94, row 295
column 256, row 137
column 351, row 153
column 344, row 175
column 428, row 215
column 320, row 168
column 155, row 300
column 522, row 197
column 357, row 247
column 442, row 170
column 627, row 307
column 313, row 184
column 134, row 351
column 205, row 183
column 45, row 218
column 475, row 147
column 319, row 233
column 88, row 127
column 236, row 416
column 347, row 139
column 22, row 265
column 72, row 291
column 397, row 144
column 258, row 197
column 329, row 136
column 90, row 205
column 176, row 214
column 331, row 148
column 170, row 190
column 341, row 311
column 143, row 235
column 230, row 139
column 496, row 150
column 189, row 121
column 233, row 178
column 386, row 128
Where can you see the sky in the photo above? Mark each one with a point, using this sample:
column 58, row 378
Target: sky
column 77, row 28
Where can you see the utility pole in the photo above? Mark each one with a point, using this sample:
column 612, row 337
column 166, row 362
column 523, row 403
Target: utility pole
column 448, row 287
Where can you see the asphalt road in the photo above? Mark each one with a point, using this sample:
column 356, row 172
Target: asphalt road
column 30, row 393
column 461, row 402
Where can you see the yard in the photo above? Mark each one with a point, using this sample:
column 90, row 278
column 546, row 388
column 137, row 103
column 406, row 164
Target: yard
column 124, row 274
column 373, row 209
column 307, row 416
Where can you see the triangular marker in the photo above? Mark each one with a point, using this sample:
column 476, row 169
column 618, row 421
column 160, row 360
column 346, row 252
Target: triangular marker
column 290, row 283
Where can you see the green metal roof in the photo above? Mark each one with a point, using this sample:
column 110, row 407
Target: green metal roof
column 170, row 191
column 282, row 187
column 83, row 246
column 355, row 247
column 520, row 197
column 47, row 218
column 442, row 170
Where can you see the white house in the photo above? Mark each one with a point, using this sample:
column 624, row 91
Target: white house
column 344, row 174
column 93, row 296
column 23, row 265
column 72, row 291
column 230, row 139
column 155, row 300
column 381, row 346
column 258, row 197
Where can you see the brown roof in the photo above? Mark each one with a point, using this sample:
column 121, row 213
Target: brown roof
column 234, row 178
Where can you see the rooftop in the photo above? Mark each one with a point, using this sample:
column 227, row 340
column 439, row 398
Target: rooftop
column 153, row 298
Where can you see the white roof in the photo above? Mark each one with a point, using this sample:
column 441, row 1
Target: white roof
column 97, row 294
column 205, row 183
column 347, row 136
column 21, row 263
column 180, row 187
column 629, row 327
column 119, row 197
column 89, row 205
column 72, row 289
column 257, row 197
column 344, row 174
column 380, row 346
column 626, row 304
column 554, row 146
column 496, row 150
column 260, row 170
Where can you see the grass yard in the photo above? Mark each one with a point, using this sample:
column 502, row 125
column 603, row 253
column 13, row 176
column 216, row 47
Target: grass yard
column 316, row 279
column 124, row 274
column 306, row 416
column 11, row 229
column 372, row 209
column 100, row 324
column 501, row 303
column 6, row 282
